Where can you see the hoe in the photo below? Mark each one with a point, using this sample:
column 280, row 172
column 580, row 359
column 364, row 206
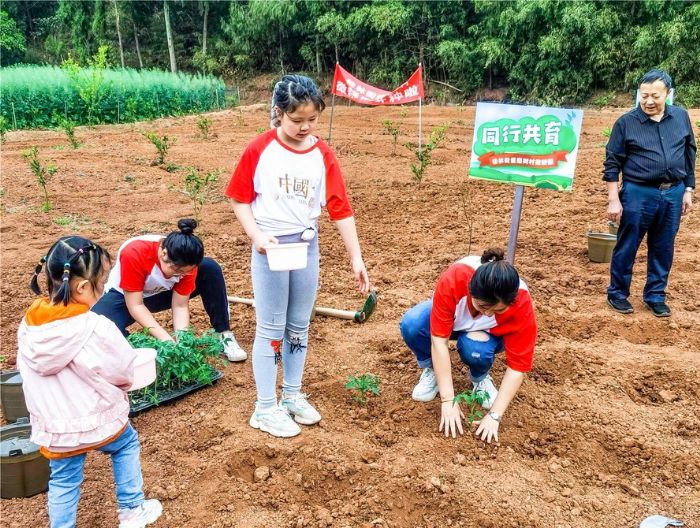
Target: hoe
column 359, row 316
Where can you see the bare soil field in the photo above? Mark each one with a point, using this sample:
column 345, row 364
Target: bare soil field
column 604, row 432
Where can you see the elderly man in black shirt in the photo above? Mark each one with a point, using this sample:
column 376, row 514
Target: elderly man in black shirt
column 654, row 147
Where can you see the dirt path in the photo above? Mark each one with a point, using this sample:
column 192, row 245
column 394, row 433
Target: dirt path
column 604, row 432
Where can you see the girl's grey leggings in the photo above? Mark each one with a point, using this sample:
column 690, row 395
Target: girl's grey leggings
column 283, row 304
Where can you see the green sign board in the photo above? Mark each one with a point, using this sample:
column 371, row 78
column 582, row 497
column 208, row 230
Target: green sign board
column 526, row 145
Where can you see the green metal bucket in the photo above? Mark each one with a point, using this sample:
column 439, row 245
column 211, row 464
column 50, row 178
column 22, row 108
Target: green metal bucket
column 23, row 470
column 600, row 246
column 12, row 396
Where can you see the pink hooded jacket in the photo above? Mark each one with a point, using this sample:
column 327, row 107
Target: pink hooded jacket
column 75, row 372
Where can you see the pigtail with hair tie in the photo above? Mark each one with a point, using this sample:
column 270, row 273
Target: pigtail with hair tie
column 34, row 283
column 66, row 272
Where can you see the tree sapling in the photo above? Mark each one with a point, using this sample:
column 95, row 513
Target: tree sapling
column 41, row 172
column 198, row 188
column 162, row 144
column 437, row 135
column 204, row 124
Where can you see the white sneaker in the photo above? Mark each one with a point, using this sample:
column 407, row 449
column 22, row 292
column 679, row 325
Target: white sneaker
column 427, row 388
column 298, row 406
column 232, row 349
column 274, row 420
column 139, row 517
column 489, row 388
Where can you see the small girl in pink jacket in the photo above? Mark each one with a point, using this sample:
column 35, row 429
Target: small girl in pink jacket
column 76, row 367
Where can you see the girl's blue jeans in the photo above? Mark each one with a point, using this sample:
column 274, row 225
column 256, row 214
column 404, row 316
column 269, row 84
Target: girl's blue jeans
column 283, row 304
column 67, row 476
column 477, row 355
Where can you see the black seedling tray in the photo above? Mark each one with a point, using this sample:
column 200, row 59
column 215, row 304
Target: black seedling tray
column 168, row 396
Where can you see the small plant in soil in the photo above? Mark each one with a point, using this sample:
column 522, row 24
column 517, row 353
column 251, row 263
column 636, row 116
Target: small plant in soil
column 204, row 124
column 41, row 172
column 392, row 128
column 68, row 126
column 198, row 188
column 437, row 136
column 261, row 130
column 606, row 132
column 473, row 399
column 362, row 387
column 162, row 144
column 189, row 360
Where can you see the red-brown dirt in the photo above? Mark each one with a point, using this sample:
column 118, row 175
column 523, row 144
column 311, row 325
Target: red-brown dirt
column 604, row 432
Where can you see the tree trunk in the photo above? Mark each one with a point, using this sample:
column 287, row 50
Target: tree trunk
column 169, row 36
column 119, row 32
column 138, row 48
column 490, row 77
column 336, row 53
column 318, row 55
column 204, row 28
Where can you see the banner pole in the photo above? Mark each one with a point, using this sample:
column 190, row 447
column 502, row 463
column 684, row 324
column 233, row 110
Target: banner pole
column 420, row 126
column 330, row 125
column 515, row 223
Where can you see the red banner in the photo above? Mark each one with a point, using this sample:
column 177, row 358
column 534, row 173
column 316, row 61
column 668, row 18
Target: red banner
column 350, row 87
column 533, row 161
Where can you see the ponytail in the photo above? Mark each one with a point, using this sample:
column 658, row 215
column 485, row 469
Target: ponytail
column 69, row 256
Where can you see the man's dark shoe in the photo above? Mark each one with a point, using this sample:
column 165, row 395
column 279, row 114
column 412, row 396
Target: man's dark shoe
column 659, row 309
column 620, row 305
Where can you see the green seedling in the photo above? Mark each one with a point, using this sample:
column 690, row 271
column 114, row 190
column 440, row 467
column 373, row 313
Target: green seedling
column 162, row 144
column 187, row 360
column 41, row 172
column 392, row 128
column 203, row 124
column 606, row 132
column 473, row 399
column 68, row 126
column 198, row 188
column 437, row 136
column 261, row 130
column 363, row 386
column 239, row 119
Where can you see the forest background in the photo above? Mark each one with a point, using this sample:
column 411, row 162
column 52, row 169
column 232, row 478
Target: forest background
column 537, row 51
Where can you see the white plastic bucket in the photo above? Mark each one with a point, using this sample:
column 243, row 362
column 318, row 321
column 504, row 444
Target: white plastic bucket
column 144, row 368
column 286, row 257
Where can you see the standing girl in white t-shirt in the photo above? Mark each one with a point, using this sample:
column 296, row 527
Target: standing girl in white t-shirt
column 281, row 182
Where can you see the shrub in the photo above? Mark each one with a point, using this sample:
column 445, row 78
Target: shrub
column 437, row 135
column 41, row 172
column 162, row 144
column 203, row 124
column 198, row 189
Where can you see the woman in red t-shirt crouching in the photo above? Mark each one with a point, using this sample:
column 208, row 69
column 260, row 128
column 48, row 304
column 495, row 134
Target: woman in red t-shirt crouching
column 485, row 306
column 154, row 273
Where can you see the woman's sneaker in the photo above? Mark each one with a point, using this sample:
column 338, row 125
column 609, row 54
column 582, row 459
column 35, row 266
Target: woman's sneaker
column 427, row 388
column 232, row 350
column 274, row 420
column 489, row 388
column 140, row 516
column 298, row 406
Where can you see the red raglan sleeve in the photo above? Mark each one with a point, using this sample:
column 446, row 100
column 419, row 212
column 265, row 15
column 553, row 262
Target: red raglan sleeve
column 451, row 287
column 337, row 201
column 518, row 327
column 134, row 266
column 241, row 187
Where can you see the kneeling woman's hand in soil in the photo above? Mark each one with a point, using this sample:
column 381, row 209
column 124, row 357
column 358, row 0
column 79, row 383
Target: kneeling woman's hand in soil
column 487, row 429
column 451, row 419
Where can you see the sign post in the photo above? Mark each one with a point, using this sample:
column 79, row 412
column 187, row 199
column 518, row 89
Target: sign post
column 526, row 146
